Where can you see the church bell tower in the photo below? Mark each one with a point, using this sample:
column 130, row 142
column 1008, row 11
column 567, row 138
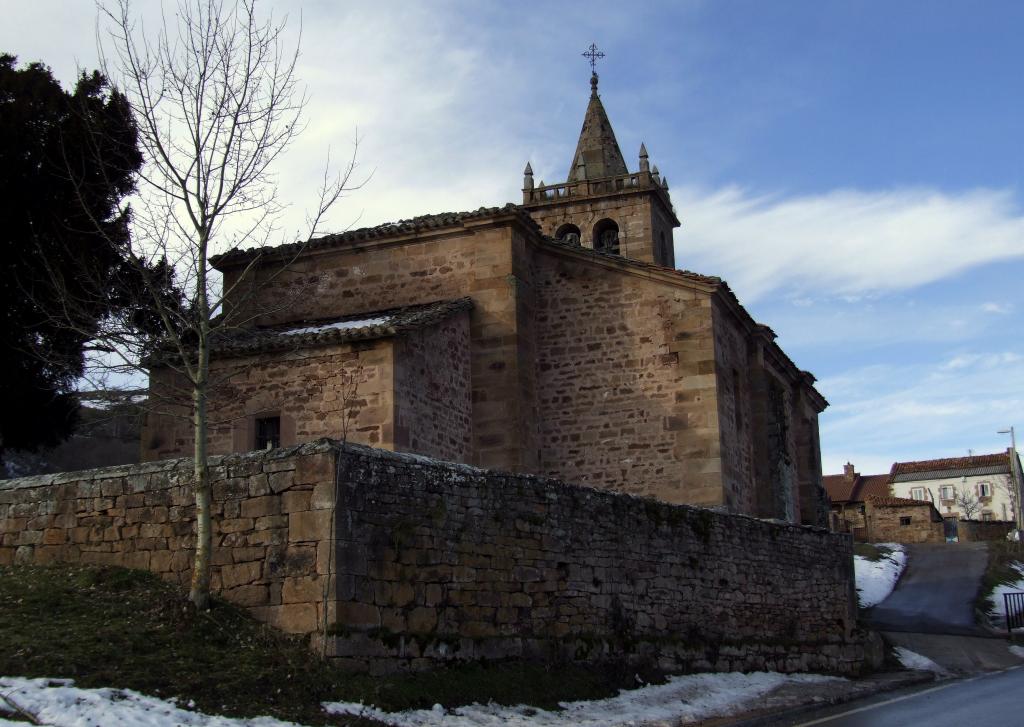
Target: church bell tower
column 602, row 204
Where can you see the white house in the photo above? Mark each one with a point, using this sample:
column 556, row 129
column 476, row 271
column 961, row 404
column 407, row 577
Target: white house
column 979, row 487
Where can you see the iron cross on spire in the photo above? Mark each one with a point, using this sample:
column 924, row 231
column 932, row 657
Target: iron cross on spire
column 593, row 54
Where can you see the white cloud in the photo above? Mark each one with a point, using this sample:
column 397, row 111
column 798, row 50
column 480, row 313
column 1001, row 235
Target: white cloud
column 940, row 408
column 1000, row 308
column 844, row 242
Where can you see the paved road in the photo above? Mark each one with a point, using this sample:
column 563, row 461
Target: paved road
column 936, row 593
column 989, row 700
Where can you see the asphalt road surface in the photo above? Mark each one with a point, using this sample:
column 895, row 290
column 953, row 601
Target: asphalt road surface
column 989, row 700
column 936, row 593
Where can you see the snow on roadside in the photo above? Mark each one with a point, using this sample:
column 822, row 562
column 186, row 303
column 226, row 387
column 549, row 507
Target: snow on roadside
column 917, row 662
column 681, row 699
column 1017, row 651
column 997, row 616
column 876, row 578
column 59, row 703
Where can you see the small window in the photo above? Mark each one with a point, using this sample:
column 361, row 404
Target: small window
column 946, row 492
column 268, row 432
column 905, row 520
column 987, row 516
column 984, row 489
column 918, row 493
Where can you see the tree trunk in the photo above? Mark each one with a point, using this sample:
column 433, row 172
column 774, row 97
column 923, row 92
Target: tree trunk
column 200, row 591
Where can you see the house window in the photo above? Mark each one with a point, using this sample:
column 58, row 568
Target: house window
column 268, row 432
column 905, row 520
column 917, row 493
column 986, row 516
column 984, row 489
column 946, row 492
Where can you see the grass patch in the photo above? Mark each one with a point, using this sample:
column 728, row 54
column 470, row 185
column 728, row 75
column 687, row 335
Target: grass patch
column 870, row 551
column 1000, row 555
column 112, row 627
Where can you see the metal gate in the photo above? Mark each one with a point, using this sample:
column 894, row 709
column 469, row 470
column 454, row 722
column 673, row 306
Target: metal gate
column 949, row 526
column 1014, row 603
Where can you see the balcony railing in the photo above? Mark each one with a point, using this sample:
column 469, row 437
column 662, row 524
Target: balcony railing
column 590, row 187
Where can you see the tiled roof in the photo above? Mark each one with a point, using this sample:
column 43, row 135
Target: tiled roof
column 686, row 274
column 388, row 229
column 981, row 464
column 839, row 487
column 873, row 486
column 888, row 501
column 304, row 334
column 843, row 489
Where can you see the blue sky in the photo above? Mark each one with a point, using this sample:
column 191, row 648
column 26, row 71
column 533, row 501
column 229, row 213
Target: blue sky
column 855, row 170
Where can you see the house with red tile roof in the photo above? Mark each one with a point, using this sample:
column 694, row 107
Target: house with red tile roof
column 977, row 487
column 847, row 493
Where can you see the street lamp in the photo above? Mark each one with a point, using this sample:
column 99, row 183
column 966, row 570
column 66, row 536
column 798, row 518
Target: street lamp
column 1015, row 476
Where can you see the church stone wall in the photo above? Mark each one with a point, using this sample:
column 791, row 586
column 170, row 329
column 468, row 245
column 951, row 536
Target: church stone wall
column 433, row 397
column 626, row 382
column 735, row 415
column 438, row 562
column 476, row 261
column 312, row 390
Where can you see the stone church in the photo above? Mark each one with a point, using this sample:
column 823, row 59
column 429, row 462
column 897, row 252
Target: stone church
column 555, row 337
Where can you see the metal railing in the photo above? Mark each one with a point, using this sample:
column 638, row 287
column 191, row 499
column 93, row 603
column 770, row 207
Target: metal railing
column 1014, row 603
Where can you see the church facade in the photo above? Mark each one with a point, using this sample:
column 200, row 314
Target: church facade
column 555, row 337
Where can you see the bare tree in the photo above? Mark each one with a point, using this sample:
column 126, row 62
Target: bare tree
column 1007, row 487
column 217, row 103
column 967, row 502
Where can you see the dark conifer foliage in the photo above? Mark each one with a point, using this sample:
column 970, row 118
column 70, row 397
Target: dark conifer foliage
column 67, row 160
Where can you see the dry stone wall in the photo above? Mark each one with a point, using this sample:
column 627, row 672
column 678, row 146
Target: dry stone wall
column 970, row 531
column 436, row 562
column 271, row 515
column 441, row 562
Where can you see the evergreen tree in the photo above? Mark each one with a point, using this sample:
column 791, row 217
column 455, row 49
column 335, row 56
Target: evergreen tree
column 67, row 160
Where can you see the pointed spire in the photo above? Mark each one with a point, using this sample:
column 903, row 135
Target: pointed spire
column 528, row 177
column 645, row 165
column 597, row 152
column 656, row 174
column 664, row 183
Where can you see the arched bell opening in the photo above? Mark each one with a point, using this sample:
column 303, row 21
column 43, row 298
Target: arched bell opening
column 568, row 233
column 606, row 236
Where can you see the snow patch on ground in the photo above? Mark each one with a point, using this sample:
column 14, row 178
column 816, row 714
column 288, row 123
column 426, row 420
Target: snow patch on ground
column 59, row 703
column 876, row 578
column 680, row 700
column 339, row 325
column 1017, row 651
column 997, row 616
column 917, row 662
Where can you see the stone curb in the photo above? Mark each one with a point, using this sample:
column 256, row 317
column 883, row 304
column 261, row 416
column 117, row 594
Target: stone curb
column 886, row 682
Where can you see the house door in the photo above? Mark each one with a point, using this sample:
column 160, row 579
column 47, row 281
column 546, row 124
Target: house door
column 949, row 525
